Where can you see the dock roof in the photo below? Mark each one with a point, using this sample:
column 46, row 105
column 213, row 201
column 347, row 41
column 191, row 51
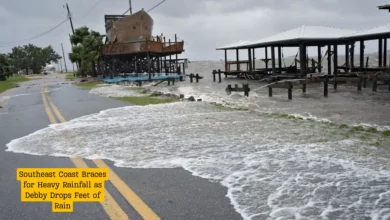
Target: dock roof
column 313, row 34
column 294, row 36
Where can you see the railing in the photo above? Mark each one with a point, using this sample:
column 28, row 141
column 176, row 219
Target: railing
column 142, row 47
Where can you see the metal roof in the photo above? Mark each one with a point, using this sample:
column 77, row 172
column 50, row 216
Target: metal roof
column 295, row 35
column 366, row 33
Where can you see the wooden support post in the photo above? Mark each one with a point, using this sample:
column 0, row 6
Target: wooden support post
column 246, row 90
column 266, row 59
column 360, row 83
column 319, row 59
column 225, row 60
column 149, row 65
column 214, row 72
column 273, row 60
column 270, row 91
column 158, row 65
column 304, row 88
column 329, row 60
column 191, row 78
column 380, row 53
column 326, row 83
column 302, row 58
column 290, row 87
column 254, row 60
column 361, row 55
column 352, row 56
column 347, row 57
column 219, row 76
column 238, row 59
column 280, row 59
column 197, row 78
column 375, row 83
column 170, row 59
column 176, row 66
column 250, row 59
column 335, row 65
column 385, row 52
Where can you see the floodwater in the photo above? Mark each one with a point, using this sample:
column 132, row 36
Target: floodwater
column 274, row 166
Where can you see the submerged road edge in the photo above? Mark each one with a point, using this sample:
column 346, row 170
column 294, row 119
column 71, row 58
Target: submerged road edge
column 110, row 206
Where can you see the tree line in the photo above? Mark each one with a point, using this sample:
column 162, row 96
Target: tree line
column 28, row 58
column 86, row 47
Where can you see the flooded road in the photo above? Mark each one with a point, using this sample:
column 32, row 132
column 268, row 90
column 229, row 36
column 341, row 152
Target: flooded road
column 274, row 165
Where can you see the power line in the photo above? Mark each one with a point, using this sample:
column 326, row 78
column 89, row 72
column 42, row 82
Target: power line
column 156, row 6
column 96, row 3
column 13, row 43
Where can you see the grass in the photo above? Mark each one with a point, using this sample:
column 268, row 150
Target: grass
column 89, row 85
column 386, row 134
column 70, row 77
column 11, row 82
column 136, row 89
column 226, row 108
column 146, row 100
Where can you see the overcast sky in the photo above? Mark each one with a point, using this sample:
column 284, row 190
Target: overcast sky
column 203, row 24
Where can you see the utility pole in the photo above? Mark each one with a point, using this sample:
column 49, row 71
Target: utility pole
column 63, row 54
column 131, row 9
column 70, row 17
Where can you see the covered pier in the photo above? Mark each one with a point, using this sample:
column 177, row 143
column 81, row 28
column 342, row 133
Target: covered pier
column 302, row 38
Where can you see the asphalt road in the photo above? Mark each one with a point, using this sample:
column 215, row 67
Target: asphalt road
column 169, row 193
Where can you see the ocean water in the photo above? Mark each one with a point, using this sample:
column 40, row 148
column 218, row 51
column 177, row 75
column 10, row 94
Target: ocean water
column 274, row 166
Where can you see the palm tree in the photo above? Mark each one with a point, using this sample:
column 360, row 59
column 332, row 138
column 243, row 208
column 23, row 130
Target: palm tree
column 86, row 50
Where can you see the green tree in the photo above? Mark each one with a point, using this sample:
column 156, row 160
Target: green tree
column 4, row 67
column 86, row 50
column 31, row 57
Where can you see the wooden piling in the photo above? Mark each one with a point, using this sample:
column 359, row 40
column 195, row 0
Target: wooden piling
column 225, row 61
column 273, row 60
column 380, row 52
column 280, row 59
column 335, row 65
column 290, row 87
column 191, row 78
column 254, row 59
column 197, row 78
column 329, row 60
column 219, row 76
column 319, row 59
column 266, row 59
column 238, row 59
column 304, row 88
column 326, row 82
column 246, row 90
column 270, row 91
column 214, row 77
column 385, row 52
column 347, row 57
column 360, row 83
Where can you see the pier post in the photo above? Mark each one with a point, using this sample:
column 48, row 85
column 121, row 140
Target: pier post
column 319, row 59
column 270, row 91
column 374, row 83
column 304, row 88
column 290, row 87
column 326, row 82
column 219, row 76
column 380, row 53
column 214, row 72
column 352, row 56
column 360, row 83
column 361, row 55
column 238, row 59
column 254, row 60
column 385, row 52
column 191, row 78
column 329, row 60
column 246, row 90
column 347, row 57
column 302, row 59
column 197, row 78
column 335, row 65
column 250, row 59
column 280, row 59
column 225, row 61
column 273, row 60
column 266, row 60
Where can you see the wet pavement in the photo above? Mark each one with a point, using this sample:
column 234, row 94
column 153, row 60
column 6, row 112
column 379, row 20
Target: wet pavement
column 170, row 193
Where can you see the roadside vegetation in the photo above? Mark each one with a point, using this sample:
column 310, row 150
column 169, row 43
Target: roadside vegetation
column 147, row 100
column 88, row 85
column 86, row 50
column 12, row 82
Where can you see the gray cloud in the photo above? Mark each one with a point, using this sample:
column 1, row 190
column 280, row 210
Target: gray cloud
column 203, row 24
